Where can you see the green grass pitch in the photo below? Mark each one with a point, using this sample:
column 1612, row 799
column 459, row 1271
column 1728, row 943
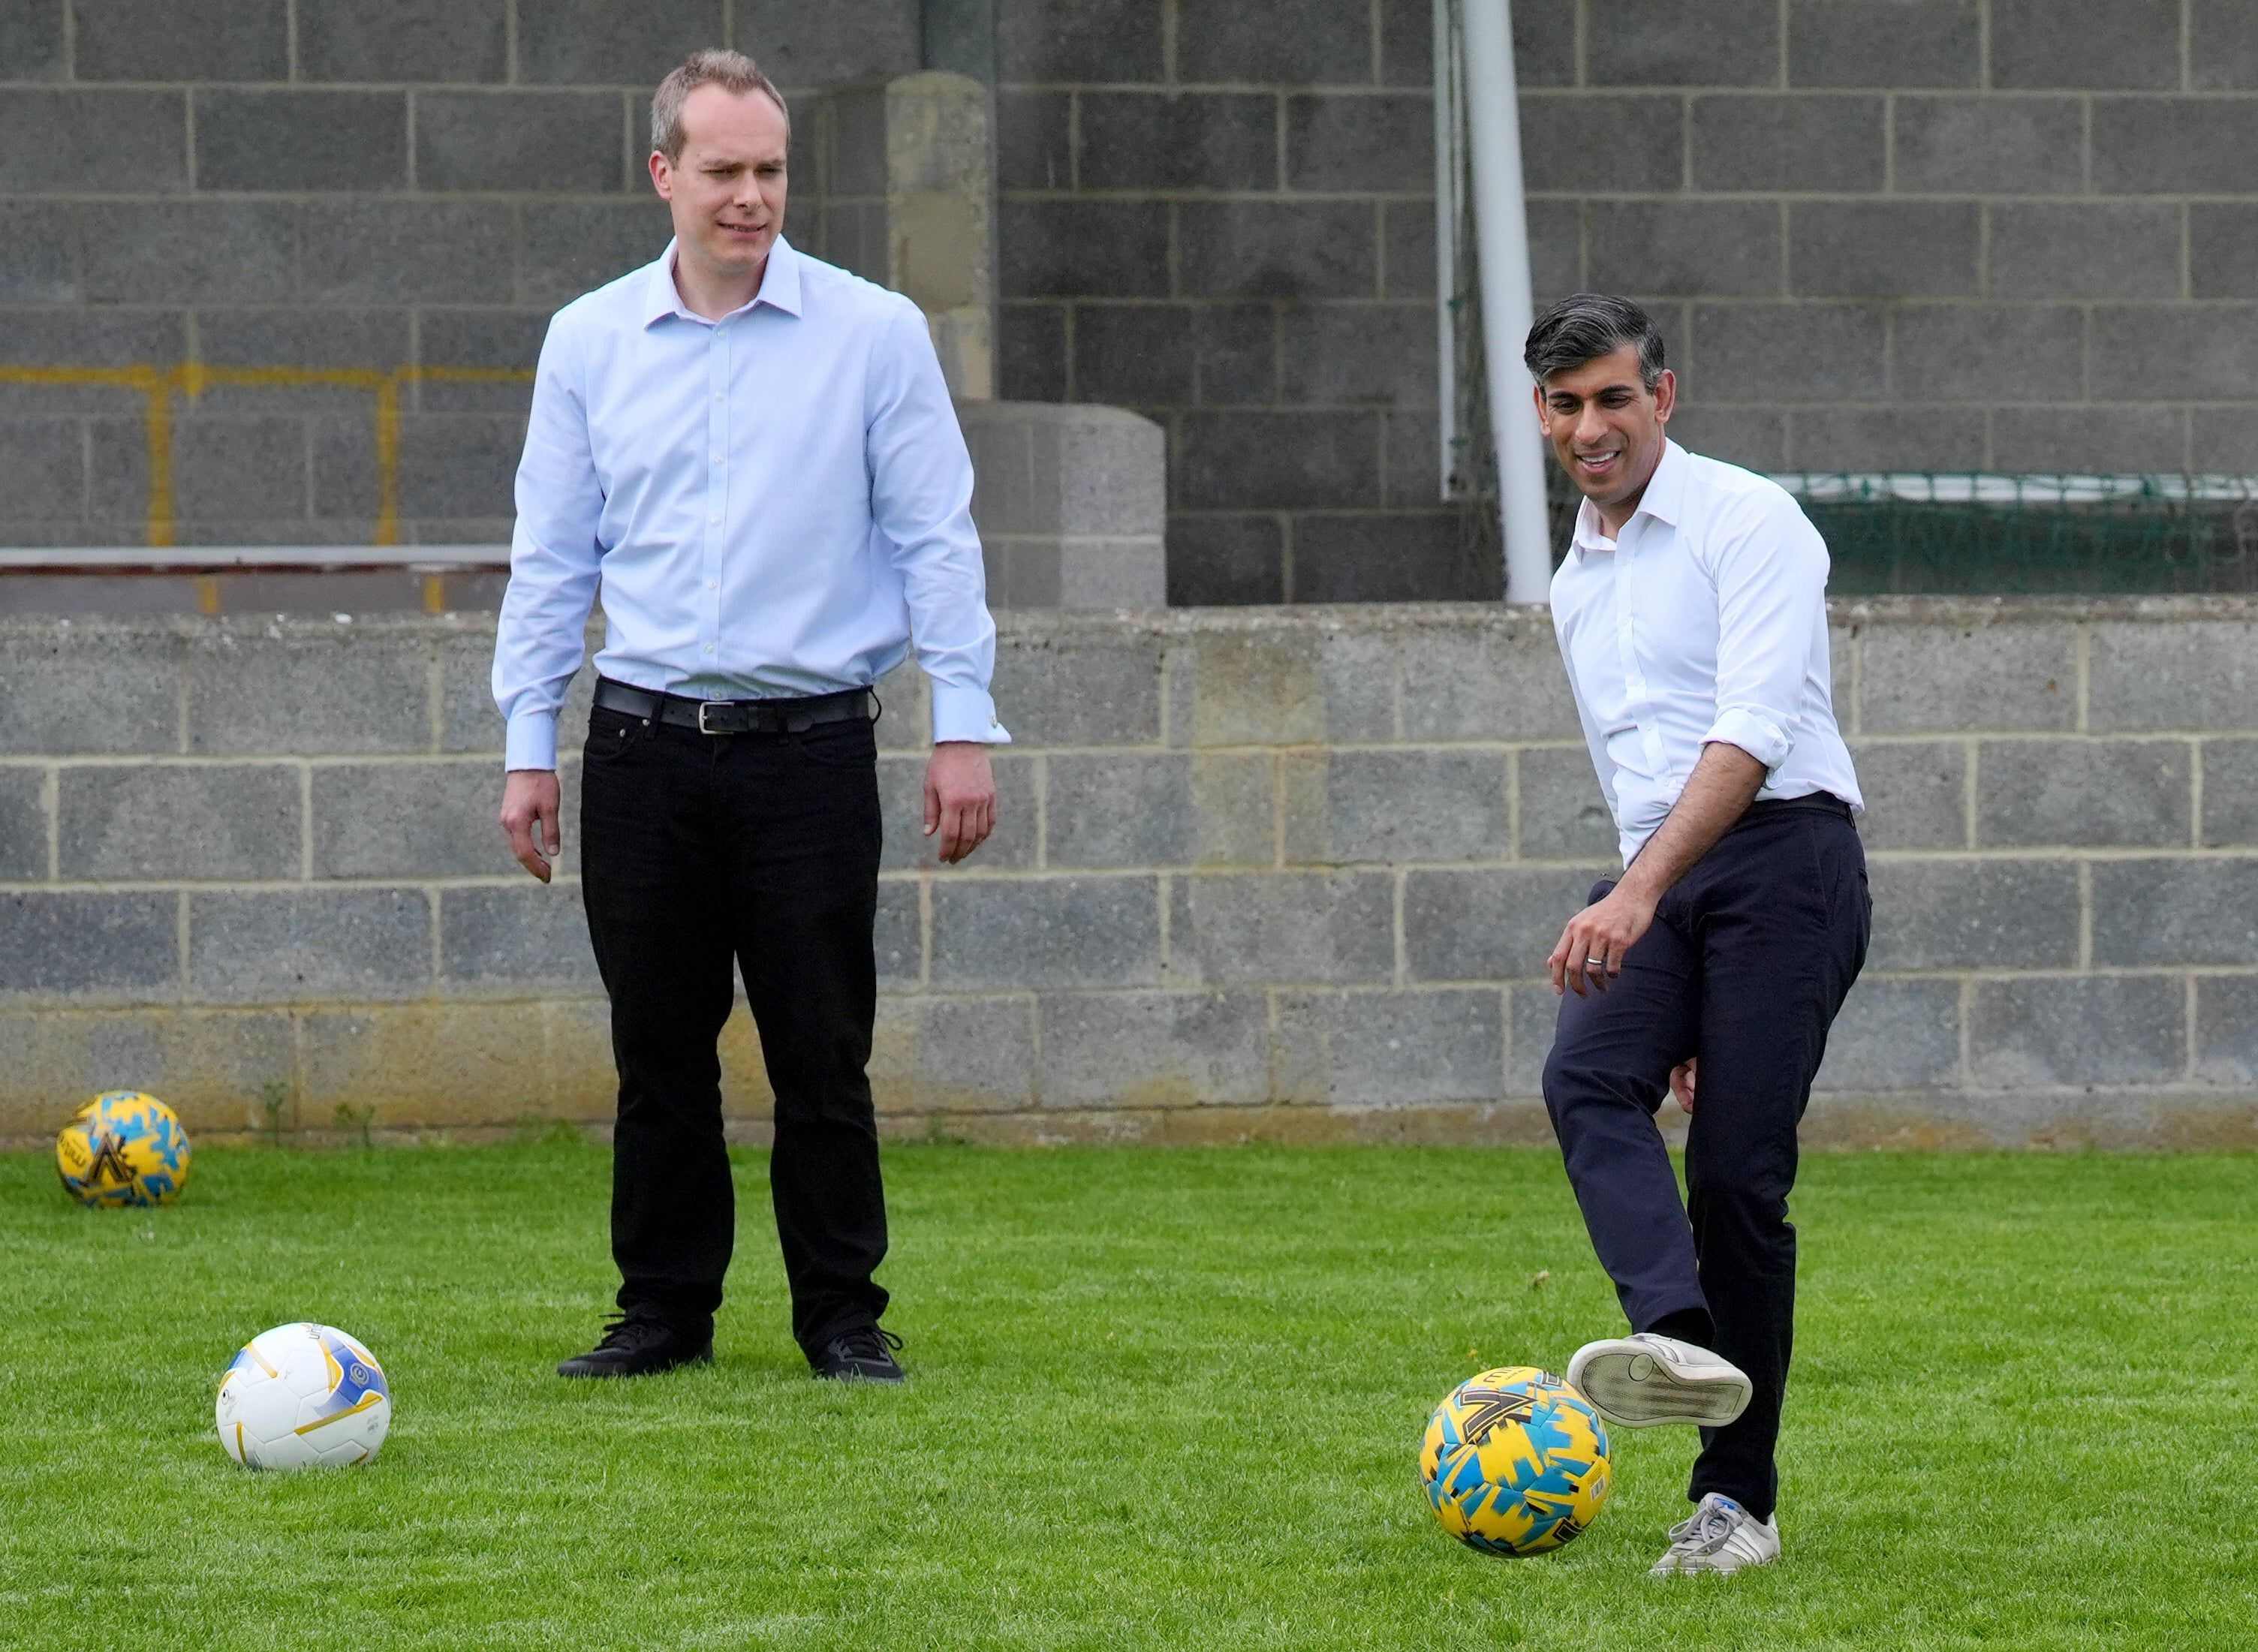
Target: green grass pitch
column 1160, row 1398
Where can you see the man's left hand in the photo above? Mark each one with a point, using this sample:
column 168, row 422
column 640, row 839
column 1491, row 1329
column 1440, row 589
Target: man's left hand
column 1593, row 945
column 960, row 798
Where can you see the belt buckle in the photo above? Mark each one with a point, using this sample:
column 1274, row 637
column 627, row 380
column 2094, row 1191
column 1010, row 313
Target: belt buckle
column 705, row 706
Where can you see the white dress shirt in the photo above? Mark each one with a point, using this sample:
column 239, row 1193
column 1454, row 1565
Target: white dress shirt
column 1705, row 620
column 773, row 503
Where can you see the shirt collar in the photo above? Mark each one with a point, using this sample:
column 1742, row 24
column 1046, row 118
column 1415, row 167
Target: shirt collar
column 1664, row 500
column 779, row 286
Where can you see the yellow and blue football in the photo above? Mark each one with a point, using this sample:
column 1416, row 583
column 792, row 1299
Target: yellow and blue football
column 1515, row 1463
column 123, row 1148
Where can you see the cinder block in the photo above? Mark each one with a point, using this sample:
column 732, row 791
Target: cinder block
column 1401, row 557
column 460, row 464
column 1264, row 249
column 905, row 711
column 1407, row 245
column 241, row 467
column 1031, row 351
column 1119, row 810
column 2041, row 46
column 1032, row 151
column 2171, row 912
column 1386, row 1049
column 1256, row 928
column 1384, row 142
column 2084, row 792
column 1382, row 353
column 2110, row 249
column 150, row 820
column 2198, row 675
column 830, row 45
column 953, row 1055
column 1646, row 147
column 1563, row 812
column 2205, row 352
column 1098, row 473
column 1397, row 806
column 1532, row 1015
column 1798, row 352
column 1500, row 680
column 1048, row 932
column 1154, row 1049
column 273, row 140
column 36, row 259
column 2222, row 46
column 1233, row 559
column 897, row 935
column 901, row 792
column 91, row 944
column 425, row 1064
column 574, row 247
column 1654, row 43
column 42, row 468
column 2054, row 440
column 209, row 1066
column 2079, row 1030
column 1896, row 438
column 328, row 337
column 525, row 935
column 32, row 40
column 23, row 824
column 1883, row 43
column 609, row 42
column 1916, row 794
column 1179, row 140
column 1263, row 686
column 307, row 688
column 1281, row 460
column 1089, row 688
column 1174, row 354
column 1083, row 249
column 48, row 670
column 1327, row 44
column 276, row 947
column 1925, row 679
column 1499, row 924
column 2226, row 1029
column 402, row 251
column 2222, row 251
column 2230, row 792
column 1109, row 40
column 414, row 820
column 1828, row 143
column 1708, row 248
column 1413, row 475
column 181, row 40
column 77, row 338
column 1894, row 1035
column 519, row 141
column 2166, row 145
column 187, row 252
column 1988, row 145
column 1885, row 248
column 1981, row 352
column 1974, row 914
column 1751, row 438
column 428, row 40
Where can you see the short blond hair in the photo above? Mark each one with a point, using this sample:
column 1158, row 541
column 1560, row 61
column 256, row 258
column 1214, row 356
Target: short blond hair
column 731, row 71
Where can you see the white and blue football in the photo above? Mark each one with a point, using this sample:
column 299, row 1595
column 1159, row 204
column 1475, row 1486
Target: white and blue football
column 300, row 1396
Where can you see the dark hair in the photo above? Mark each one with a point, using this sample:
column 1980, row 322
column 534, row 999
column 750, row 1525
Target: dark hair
column 1585, row 326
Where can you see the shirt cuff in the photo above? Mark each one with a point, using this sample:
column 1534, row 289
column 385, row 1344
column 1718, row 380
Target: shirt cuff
column 1766, row 741
column 531, row 742
column 966, row 713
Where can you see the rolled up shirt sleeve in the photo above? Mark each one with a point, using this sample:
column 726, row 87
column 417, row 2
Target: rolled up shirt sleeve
column 921, row 500
column 554, row 558
column 1771, row 580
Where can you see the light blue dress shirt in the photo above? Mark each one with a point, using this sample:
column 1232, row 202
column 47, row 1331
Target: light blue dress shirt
column 772, row 503
column 1704, row 621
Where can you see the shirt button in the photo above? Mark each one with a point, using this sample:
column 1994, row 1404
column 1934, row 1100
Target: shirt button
column 709, row 647
column 717, row 459
column 712, row 585
column 717, row 395
column 717, row 522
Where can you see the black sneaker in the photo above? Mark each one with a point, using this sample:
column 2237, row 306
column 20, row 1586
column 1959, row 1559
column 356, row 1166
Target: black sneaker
column 633, row 1346
column 865, row 1355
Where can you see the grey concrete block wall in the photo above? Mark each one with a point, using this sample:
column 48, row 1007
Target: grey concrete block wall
column 1262, row 872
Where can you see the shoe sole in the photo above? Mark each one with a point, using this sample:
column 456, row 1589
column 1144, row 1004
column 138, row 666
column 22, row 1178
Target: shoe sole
column 706, row 1358
column 1630, row 1387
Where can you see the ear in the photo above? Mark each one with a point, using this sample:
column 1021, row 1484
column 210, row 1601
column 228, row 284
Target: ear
column 1665, row 396
column 661, row 175
column 1544, row 412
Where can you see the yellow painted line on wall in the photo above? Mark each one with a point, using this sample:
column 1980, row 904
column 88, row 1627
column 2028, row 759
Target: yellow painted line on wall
column 158, row 385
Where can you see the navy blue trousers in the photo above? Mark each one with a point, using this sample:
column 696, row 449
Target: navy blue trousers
column 1749, row 959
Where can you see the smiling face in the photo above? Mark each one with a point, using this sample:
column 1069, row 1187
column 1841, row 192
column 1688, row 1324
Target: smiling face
column 1606, row 428
column 727, row 188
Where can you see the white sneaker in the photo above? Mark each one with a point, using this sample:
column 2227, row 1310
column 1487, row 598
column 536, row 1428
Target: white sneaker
column 1721, row 1536
column 1643, row 1380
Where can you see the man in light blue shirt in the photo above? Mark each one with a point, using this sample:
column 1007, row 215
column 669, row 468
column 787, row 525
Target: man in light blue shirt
column 755, row 458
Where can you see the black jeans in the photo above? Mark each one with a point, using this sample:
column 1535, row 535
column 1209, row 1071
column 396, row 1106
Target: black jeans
column 698, row 849
column 1749, row 959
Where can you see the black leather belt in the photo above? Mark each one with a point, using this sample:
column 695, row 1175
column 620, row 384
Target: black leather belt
column 735, row 716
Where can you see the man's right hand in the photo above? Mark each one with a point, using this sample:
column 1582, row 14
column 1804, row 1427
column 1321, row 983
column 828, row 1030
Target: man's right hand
column 529, row 798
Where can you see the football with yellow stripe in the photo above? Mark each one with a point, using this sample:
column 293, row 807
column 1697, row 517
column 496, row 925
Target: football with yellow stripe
column 123, row 1148
column 1515, row 1463
column 303, row 1396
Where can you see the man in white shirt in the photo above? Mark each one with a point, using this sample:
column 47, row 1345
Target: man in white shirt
column 755, row 456
column 1691, row 611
